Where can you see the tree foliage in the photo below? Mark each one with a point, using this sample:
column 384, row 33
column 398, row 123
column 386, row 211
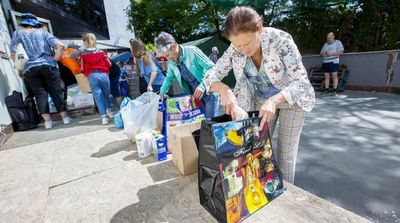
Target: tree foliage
column 362, row 25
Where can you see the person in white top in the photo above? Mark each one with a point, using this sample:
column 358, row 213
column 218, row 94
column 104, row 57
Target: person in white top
column 331, row 51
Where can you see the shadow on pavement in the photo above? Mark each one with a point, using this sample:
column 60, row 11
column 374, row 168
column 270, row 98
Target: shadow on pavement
column 173, row 201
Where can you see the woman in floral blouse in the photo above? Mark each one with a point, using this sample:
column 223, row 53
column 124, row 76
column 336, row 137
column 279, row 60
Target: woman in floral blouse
column 270, row 77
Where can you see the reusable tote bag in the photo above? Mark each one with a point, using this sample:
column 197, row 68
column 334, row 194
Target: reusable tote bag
column 238, row 173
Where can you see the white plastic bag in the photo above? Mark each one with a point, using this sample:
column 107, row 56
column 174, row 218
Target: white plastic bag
column 140, row 114
column 240, row 113
column 20, row 57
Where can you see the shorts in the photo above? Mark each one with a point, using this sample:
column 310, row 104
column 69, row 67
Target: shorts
column 329, row 67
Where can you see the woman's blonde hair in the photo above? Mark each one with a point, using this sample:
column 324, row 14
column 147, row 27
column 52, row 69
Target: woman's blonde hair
column 137, row 47
column 89, row 40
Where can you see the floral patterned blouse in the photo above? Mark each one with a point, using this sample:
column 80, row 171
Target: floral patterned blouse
column 282, row 63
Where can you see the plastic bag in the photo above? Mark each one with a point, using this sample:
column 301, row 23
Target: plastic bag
column 20, row 57
column 140, row 114
column 240, row 113
column 119, row 124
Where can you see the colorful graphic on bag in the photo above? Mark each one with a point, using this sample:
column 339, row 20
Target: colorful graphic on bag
column 248, row 168
column 182, row 110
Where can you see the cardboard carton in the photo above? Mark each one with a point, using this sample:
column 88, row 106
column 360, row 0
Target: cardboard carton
column 183, row 147
column 83, row 83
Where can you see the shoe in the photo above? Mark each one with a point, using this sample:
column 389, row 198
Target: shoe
column 325, row 93
column 104, row 120
column 334, row 92
column 110, row 113
column 67, row 120
column 48, row 124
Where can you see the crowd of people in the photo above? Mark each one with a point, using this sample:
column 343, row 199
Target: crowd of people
column 270, row 76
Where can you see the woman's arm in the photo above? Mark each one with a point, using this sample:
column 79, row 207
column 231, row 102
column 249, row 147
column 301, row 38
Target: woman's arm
column 13, row 44
column 169, row 79
column 299, row 82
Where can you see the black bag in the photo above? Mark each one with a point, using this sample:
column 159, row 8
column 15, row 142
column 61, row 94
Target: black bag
column 24, row 116
column 33, row 113
column 237, row 173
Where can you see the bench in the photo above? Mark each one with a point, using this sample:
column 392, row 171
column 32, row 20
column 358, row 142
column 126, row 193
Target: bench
column 317, row 78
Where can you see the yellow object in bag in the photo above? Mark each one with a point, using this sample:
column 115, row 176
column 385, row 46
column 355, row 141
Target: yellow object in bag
column 253, row 192
column 83, row 83
column 233, row 137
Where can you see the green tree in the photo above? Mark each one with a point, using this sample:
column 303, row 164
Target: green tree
column 186, row 19
column 362, row 25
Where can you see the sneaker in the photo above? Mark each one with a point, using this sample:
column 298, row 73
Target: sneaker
column 325, row 93
column 104, row 120
column 110, row 113
column 48, row 124
column 334, row 93
column 67, row 120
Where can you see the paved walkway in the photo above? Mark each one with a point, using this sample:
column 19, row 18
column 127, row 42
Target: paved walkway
column 86, row 172
column 350, row 153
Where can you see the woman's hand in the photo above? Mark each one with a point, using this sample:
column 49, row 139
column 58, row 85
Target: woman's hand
column 267, row 112
column 198, row 93
column 268, row 109
column 149, row 88
column 229, row 101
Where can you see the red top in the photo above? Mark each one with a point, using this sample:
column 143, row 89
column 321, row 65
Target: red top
column 96, row 61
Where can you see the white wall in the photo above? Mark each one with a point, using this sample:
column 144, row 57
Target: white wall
column 117, row 22
column 9, row 81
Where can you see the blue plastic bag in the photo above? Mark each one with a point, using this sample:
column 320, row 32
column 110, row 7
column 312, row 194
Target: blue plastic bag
column 119, row 124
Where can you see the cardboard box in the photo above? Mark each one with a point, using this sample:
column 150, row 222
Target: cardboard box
column 159, row 146
column 83, row 83
column 183, row 147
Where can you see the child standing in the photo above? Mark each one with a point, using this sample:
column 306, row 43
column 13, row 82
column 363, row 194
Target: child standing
column 96, row 67
column 123, row 81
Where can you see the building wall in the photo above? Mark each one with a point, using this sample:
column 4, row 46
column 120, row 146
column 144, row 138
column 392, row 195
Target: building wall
column 9, row 81
column 117, row 22
column 366, row 68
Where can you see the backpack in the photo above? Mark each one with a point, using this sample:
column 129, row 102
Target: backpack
column 24, row 115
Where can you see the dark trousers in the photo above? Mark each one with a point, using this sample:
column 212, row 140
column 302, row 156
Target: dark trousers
column 45, row 80
column 142, row 85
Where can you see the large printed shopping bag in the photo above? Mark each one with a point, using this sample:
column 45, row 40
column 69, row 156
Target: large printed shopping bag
column 238, row 173
column 182, row 110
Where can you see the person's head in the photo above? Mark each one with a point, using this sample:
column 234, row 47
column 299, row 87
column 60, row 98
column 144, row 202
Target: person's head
column 243, row 27
column 30, row 20
column 214, row 50
column 137, row 48
column 166, row 46
column 330, row 37
column 89, row 40
column 120, row 64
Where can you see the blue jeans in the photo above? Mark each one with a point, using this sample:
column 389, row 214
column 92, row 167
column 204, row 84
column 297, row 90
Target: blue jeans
column 211, row 105
column 100, row 85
